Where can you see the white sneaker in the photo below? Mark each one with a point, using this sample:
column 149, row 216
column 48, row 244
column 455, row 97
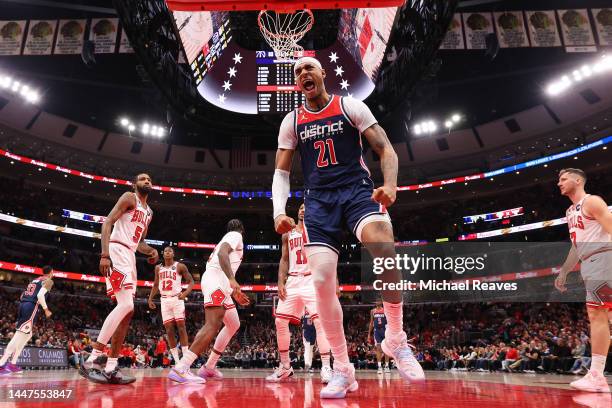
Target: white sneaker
column 387, row 369
column 185, row 376
column 380, row 370
column 342, row 381
column 326, row 374
column 407, row 365
column 592, row 382
column 280, row 374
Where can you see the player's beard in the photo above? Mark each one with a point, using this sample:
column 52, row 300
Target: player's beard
column 143, row 191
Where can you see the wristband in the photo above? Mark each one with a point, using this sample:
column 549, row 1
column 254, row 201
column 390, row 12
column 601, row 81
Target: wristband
column 105, row 256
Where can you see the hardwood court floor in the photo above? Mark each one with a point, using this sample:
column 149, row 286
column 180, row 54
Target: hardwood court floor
column 247, row 388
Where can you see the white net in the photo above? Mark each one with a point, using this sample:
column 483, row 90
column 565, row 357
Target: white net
column 283, row 30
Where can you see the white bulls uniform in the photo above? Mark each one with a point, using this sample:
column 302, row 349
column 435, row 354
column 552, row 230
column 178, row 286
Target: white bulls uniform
column 170, row 281
column 594, row 247
column 300, row 287
column 127, row 233
column 215, row 285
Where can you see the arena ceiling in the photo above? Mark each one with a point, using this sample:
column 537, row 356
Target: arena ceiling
column 480, row 88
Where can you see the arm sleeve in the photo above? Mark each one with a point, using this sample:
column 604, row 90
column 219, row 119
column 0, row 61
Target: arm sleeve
column 41, row 298
column 286, row 136
column 281, row 188
column 359, row 113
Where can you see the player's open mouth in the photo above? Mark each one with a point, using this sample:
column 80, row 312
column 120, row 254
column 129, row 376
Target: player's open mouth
column 308, row 85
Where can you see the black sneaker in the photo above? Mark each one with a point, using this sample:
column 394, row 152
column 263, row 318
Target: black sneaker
column 98, row 364
column 114, row 377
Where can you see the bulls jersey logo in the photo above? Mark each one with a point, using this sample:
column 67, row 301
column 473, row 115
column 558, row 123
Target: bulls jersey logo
column 217, row 297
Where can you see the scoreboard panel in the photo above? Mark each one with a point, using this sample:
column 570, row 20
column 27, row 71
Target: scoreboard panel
column 276, row 89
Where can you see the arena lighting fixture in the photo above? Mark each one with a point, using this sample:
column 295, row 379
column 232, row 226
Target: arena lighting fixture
column 601, row 66
column 425, row 127
column 25, row 91
column 146, row 128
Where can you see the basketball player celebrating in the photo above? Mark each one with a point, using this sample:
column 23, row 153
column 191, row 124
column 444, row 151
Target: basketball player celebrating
column 328, row 131
column 30, row 299
column 378, row 323
column 129, row 220
column 168, row 282
column 590, row 228
column 218, row 286
column 296, row 291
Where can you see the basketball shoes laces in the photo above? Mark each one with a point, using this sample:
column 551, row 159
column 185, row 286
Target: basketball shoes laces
column 407, row 365
column 342, row 381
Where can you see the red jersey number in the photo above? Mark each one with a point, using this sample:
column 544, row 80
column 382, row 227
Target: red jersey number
column 301, row 257
column 321, row 146
column 167, row 285
column 137, row 234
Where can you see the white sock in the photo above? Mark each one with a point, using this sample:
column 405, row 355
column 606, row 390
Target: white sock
column 308, row 354
column 598, row 363
column 111, row 364
column 323, row 263
column 394, row 314
column 10, row 348
column 22, row 340
column 188, row 358
column 94, row 354
column 175, row 354
column 325, row 359
column 184, row 349
column 379, row 364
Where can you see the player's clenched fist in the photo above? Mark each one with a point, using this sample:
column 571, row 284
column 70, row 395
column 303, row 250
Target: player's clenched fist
column 283, row 224
column 384, row 195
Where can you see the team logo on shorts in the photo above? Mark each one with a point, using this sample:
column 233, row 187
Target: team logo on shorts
column 603, row 293
column 217, row 297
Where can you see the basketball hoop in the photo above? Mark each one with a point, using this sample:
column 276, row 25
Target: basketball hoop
column 282, row 29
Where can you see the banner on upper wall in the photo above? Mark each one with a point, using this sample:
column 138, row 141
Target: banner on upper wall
column 40, row 37
column 511, row 31
column 124, row 44
column 477, row 27
column 11, row 36
column 576, row 30
column 603, row 24
column 543, row 30
column 70, row 37
column 104, row 32
column 454, row 36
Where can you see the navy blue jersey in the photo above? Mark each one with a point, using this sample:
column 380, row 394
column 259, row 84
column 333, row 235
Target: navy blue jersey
column 29, row 295
column 310, row 333
column 330, row 147
column 380, row 320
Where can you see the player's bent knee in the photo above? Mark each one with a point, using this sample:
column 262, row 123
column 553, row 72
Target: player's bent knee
column 281, row 323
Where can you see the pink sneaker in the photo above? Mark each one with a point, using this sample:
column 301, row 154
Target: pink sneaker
column 213, row 373
column 592, row 382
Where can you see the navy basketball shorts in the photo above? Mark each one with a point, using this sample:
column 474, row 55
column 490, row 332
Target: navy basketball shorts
column 328, row 210
column 310, row 335
column 379, row 336
column 26, row 315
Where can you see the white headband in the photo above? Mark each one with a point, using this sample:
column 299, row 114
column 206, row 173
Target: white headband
column 305, row 60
